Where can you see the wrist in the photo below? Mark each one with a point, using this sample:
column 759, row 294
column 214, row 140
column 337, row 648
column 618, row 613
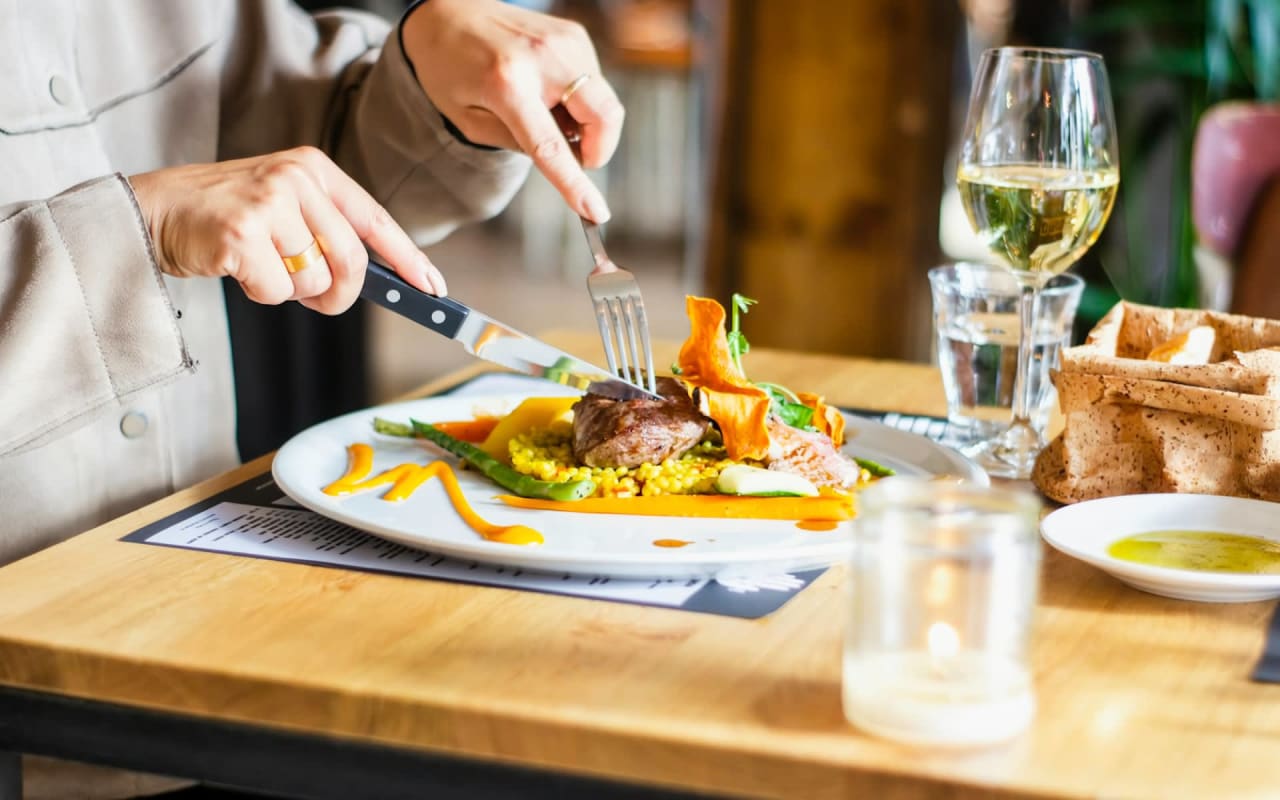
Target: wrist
column 413, row 33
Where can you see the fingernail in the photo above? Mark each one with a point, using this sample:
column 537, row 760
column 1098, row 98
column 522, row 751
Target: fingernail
column 431, row 277
column 596, row 208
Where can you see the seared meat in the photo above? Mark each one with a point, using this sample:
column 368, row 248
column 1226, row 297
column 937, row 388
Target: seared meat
column 628, row 433
column 811, row 455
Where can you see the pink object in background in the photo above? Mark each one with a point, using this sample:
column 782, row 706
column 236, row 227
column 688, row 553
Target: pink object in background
column 1236, row 153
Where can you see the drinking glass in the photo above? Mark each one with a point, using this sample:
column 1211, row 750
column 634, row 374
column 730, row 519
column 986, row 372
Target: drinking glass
column 1038, row 173
column 975, row 321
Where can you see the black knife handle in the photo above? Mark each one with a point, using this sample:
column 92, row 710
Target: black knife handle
column 389, row 290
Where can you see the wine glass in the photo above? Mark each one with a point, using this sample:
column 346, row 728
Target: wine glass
column 1037, row 174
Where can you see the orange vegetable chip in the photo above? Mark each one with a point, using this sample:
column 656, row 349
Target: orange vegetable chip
column 737, row 406
column 826, row 419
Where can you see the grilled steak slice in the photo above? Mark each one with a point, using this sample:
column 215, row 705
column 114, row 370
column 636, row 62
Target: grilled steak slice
column 628, row 433
column 811, row 455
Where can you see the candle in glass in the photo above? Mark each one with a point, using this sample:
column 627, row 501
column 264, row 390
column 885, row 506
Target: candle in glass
column 942, row 585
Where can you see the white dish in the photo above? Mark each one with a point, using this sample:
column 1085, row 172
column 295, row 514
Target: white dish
column 610, row 545
column 1085, row 531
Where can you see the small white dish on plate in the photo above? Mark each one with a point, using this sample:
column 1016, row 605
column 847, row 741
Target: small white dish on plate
column 1086, row 530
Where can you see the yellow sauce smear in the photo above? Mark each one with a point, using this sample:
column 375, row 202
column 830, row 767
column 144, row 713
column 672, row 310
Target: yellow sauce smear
column 670, row 543
column 406, row 478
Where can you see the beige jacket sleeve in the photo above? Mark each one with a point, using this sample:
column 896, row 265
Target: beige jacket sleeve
column 85, row 319
column 80, row 328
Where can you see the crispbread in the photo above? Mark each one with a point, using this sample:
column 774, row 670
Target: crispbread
column 1133, row 425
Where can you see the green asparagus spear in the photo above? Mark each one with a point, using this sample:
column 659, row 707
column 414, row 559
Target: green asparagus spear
column 389, row 428
column 501, row 474
column 877, row 470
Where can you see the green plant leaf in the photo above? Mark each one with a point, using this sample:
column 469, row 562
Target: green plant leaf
column 1123, row 17
column 1095, row 301
column 1264, row 28
column 1224, row 25
column 1163, row 62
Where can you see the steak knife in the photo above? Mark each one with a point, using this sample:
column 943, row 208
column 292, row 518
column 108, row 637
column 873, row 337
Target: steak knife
column 486, row 338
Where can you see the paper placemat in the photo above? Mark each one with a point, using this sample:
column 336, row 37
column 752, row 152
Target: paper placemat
column 256, row 519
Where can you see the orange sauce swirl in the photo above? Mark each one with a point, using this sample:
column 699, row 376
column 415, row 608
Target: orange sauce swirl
column 406, row 478
column 817, row 525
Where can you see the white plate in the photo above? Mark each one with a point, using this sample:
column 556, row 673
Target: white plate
column 613, row 545
column 1087, row 529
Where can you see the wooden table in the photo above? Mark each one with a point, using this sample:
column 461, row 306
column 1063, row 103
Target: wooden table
column 248, row 671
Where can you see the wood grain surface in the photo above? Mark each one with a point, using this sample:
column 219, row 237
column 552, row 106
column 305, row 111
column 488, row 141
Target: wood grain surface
column 831, row 121
column 1139, row 696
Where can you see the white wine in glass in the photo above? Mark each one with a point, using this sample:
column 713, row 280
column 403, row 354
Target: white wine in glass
column 1038, row 174
column 1036, row 218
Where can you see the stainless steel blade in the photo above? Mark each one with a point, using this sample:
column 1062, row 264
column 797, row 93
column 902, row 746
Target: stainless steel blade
column 490, row 340
column 493, row 341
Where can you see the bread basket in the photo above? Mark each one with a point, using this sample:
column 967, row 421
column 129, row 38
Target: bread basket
column 1135, row 425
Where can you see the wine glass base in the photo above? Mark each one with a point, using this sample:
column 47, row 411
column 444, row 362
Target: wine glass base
column 1012, row 454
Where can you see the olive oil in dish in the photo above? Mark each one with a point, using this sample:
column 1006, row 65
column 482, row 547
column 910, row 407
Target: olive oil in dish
column 1201, row 551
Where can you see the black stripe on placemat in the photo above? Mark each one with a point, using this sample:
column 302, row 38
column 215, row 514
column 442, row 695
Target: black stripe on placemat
column 1268, row 668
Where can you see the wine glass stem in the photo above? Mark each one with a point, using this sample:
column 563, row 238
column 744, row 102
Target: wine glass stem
column 1023, row 384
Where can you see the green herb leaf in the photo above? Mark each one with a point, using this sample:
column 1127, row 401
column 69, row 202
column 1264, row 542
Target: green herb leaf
column 793, row 413
column 738, row 345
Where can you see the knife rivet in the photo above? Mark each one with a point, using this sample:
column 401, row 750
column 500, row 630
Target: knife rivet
column 437, row 317
column 393, row 295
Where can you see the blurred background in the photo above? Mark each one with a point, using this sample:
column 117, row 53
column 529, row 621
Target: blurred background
column 801, row 153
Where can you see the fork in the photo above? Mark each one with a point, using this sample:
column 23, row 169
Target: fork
column 620, row 314
column 619, row 307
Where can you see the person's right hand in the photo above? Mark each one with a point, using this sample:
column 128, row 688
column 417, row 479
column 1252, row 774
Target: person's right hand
column 241, row 218
column 496, row 70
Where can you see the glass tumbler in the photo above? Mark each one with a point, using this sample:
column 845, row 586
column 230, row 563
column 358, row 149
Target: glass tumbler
column 942, row 587
column 975, row 319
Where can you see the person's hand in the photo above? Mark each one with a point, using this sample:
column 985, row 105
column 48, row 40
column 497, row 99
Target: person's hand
column 244, row 219
column 495, row 70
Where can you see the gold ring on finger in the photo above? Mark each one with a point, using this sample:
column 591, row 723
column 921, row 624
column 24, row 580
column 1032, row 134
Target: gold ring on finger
column 572, row 88
column 312, row 255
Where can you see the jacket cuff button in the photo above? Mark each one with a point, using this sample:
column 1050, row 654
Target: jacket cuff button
column 133, row 424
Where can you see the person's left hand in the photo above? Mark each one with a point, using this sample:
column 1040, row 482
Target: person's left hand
column 496, row 70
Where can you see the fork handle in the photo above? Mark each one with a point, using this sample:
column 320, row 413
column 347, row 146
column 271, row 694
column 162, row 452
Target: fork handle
column 595, row 241
column 573, row 135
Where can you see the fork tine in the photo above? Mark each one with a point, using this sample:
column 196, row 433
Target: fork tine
column 602, row 321
column 620, row 338
column 628, row 305
column 642, row 327
column 620, row 315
